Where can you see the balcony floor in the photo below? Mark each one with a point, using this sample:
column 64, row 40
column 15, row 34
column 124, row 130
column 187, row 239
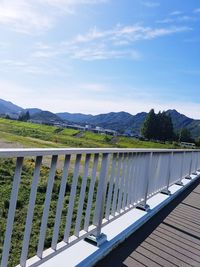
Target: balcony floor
column 170, row 238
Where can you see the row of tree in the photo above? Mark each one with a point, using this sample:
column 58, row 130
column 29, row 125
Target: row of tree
column 160, row 127
column 24, row 116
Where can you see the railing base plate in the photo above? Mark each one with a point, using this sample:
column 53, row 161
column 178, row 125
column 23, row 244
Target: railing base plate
column 166, row 192
column 179, row 183
column 143, row 206
column 188, row 177
column 96, row 240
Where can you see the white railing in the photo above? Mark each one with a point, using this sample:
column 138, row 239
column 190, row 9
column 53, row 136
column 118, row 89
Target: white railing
column 106, row 183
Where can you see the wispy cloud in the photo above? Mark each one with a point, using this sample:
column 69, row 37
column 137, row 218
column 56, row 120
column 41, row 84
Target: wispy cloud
column 197, row 10
column 107, row 44
column 180, row 17
column 176, row 13
column 37, row 15
column 150, row 4
column 33, row 67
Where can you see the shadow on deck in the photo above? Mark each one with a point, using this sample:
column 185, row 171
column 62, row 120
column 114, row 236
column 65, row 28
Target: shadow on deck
column 170, row 238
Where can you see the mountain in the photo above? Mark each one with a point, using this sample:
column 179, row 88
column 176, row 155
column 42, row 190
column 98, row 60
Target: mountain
column 45, row 117
column 125, row 122
column 120, row 121
column 33, row 111
column 9, row 107
column 179, row 120
column 74, row 117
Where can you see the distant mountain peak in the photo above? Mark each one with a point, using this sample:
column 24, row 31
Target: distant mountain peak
column 9, row 107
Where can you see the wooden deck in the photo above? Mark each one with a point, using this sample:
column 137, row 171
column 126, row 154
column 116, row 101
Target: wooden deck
column 171, row 238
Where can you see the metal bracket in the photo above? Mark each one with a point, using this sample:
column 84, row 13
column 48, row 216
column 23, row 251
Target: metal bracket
column 166, row 192
column 195, row 173
column 143, row 206
column 179, row 183
column 188, row 177
column 96, row 240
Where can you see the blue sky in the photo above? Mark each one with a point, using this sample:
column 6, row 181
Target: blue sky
column 97, row 56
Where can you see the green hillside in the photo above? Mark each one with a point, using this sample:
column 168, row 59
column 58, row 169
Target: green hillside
column 23, row 134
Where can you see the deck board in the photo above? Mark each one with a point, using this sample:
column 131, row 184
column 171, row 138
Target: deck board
column 170, row 238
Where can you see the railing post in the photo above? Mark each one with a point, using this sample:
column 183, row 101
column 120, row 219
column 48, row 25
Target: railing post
column 143, row 205
column 99, row 238
column 166, row 191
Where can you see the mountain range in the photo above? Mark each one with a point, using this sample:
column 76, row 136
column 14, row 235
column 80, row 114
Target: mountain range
column 119, row 121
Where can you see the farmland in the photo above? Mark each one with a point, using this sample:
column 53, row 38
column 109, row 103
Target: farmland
column 23, row 134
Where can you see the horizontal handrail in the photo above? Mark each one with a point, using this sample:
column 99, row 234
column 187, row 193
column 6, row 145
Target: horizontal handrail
column 93, row 187
column 26, row 152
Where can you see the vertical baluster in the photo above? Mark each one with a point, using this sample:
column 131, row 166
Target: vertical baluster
column 179, row 182
column 190, row 167
column 121, row 187
column 114, row 203
column 196, row 165
column 29, row 218
column 131, row 178
column 47, row 202
column 169, row 166
column 11, row 212
column 143, row 205
column 198, row 155
column 72, row 199
column 193, row 162
column 91, row 192
column 127, row 181
column 98, row 238
column 82, row 195
column 101, row 193
column 60, row 201
column 111, row 183
column 134, row 177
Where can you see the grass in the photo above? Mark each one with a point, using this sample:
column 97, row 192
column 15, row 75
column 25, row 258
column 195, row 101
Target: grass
column 6, row 173
column 25, row 134
column 22, row 134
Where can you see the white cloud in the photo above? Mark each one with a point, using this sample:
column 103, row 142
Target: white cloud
column 197, row 10
column 106, row 44
column 179, row 17
column 33, row 68
column 34, row 16
column 150, row 4
column 98, row 53
column 22, row 16
column 94, row 87
column 176, row 13
column 130, row 33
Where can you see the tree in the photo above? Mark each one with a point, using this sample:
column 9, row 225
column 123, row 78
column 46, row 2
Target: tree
column 24, row 116
column 148, row 129
column 185, row 135
column 165, row 129
column 158, row 126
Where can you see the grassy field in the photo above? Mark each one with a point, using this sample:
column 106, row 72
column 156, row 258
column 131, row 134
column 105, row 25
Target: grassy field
column 6, row 173
column 23, row 134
